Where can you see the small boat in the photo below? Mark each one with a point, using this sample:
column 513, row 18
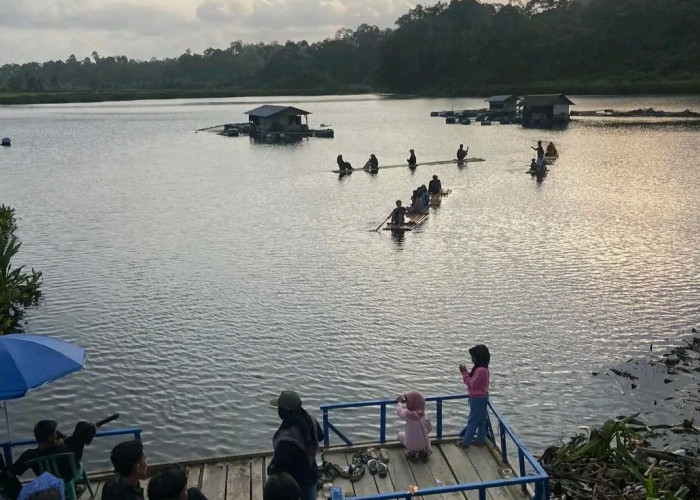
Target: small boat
column 230, row 130
column 465, row 121
column 434, row 113
column 6, row 141
column 486, row 121
column 450, row 120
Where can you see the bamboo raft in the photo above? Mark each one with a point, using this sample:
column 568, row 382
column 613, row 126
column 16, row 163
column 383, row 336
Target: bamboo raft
column 428, row 163
column 413, row 220
column 242, row 477
column 436, row 199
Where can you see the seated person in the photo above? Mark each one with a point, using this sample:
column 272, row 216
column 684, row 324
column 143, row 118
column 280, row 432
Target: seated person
column 435, row 186
column 533, row 165
column 171, row 484
column 425, row 196
column 551, row 149
column 398, row 215
column 461, row 153
column 130, row 467
column 48, row 443
column 416, row 203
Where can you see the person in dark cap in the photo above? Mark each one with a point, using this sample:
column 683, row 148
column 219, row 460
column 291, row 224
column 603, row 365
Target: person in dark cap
column 295, row 443
column 477, row 382
column 281, row 486
column 130, row 467
column 171, row 484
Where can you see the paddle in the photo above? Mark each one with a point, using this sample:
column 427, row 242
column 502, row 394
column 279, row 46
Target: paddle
column 107, row 420
column 380, row 225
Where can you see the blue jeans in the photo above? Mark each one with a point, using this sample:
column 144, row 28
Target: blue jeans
column 476, row 422
column 308, row 493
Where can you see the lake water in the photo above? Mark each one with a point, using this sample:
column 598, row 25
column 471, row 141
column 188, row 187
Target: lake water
column 204, row 274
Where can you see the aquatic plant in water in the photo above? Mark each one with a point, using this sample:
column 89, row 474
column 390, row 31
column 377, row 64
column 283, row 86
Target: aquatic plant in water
column 18, row 288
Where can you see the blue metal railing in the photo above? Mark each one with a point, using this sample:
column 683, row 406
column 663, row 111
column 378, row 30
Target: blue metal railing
column 9, row 445
column 539, row 479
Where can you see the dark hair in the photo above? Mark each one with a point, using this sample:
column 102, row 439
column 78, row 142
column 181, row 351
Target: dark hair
column 481, row 356
column 44, row 429
column 125, row 456
column 279, row 486
column 168, row 484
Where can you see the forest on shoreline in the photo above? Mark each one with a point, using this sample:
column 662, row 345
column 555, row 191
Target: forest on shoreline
column 459, row 48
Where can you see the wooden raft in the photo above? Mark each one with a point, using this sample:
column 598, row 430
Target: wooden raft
column 427, row 163
column 413, row 220
column 436, row 199
column 243, row 477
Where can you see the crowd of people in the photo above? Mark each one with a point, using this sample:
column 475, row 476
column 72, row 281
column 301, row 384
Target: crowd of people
column 420, row 201
column 539, row 165
column 372, row 164
column 292, row 473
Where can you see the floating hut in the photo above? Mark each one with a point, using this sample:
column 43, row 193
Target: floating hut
column 545, row 110
column 503, row 105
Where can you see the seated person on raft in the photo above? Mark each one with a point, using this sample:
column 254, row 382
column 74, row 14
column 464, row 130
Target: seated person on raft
column 435, row 186
column 551, row 150
column 372, row 164
column 416, row 203
column 425, row 196
column 342, row 164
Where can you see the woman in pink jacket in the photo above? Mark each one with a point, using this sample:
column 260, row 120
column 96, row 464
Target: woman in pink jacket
column 414, row 437
column 477, row 382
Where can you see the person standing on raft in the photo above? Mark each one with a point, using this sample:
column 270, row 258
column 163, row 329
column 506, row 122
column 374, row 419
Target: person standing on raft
column 461, row 153
column 412, row 159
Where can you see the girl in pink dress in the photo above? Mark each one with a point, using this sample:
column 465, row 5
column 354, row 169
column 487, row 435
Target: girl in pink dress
column 414, row 437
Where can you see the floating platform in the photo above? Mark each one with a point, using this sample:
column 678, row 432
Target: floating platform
column 436, row 199
column 551, row 159
column 413, row 220
column 425, row 164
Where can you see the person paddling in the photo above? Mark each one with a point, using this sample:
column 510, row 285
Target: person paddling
column 412, row 159
column 398, row 215
column 461, row 153
column 540, row 152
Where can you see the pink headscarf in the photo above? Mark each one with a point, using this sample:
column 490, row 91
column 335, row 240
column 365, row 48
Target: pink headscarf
column 415, row 404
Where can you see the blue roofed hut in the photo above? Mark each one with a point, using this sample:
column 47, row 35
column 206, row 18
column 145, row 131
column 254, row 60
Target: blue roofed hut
column 278, row 119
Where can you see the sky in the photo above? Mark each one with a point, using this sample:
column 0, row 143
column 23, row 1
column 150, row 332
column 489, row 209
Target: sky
column 43, row 30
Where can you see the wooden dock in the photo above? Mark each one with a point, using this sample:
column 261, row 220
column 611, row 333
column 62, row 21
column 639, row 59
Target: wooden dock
column 243, row 477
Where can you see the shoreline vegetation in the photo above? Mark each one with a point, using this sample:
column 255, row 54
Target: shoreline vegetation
column 458, row 48
column 600, row 87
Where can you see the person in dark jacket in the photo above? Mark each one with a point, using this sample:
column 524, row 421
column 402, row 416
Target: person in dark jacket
column 295, row 443
column 48, row 443
column 130, row 467
column 435, row 186
column 461, row 153
column 412, row 159
column 171, row 484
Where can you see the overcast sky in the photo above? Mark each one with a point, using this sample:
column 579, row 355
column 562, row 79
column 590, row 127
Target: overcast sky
column 42, row 30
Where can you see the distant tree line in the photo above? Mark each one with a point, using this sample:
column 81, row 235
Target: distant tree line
column 449, row 48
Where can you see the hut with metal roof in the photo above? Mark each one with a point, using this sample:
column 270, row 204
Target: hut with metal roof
column 503, row 104
column 545, row 110
column 278, row 119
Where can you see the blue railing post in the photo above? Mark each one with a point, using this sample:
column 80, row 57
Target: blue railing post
column 326, row 436
column 521, row 461
column 137, row 435
column 7, row 451
column 482, row 493
column 438, row 413
column 382, row 424
column 502, row 432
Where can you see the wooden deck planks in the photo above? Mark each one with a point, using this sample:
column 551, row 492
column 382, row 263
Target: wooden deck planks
column 424, row 477
column 461, row 467
column 257, row 478
column 494, row 464
column 401, row 474
column 338, row 458
column 443, row 475
column 193, row 475
column 214, row 481
column 238, row 480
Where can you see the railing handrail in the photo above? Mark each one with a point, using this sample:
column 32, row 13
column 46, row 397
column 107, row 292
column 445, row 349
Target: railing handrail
column 509, row 430
column 379, row 402
column 7, row 446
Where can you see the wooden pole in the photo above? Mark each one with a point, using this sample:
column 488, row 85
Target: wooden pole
column 380, row 225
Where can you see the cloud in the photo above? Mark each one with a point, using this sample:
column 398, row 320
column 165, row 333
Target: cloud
column 41, row 30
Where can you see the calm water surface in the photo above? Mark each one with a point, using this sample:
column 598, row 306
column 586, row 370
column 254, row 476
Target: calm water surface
column 204, row 274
